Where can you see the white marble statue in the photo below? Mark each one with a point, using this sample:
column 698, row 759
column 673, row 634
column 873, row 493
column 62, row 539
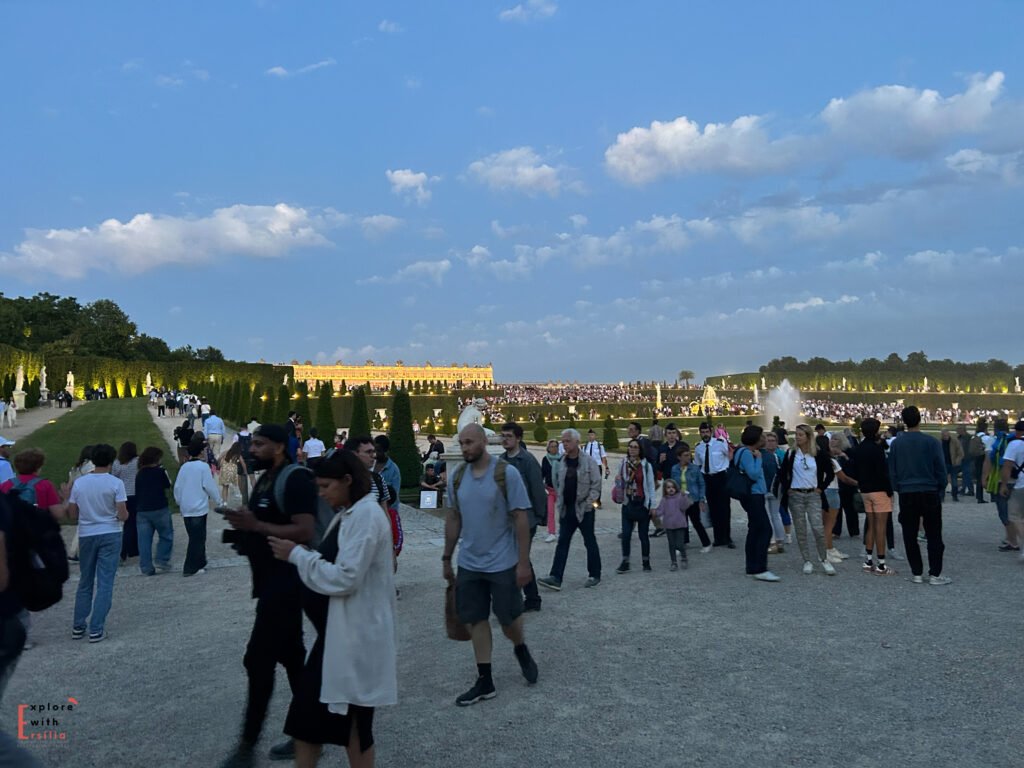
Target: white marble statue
column 42, row 378
column 285, row 381
column 19, row 379
column 149, row 381
column 473, row 414
column 71, row 381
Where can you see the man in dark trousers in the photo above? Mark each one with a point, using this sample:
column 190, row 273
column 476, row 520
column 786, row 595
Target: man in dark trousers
column 918, row 473
column 286, row 513
column 529, row 470
column 712, row 456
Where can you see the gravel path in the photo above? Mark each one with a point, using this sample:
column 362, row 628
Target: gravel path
column 702, row 667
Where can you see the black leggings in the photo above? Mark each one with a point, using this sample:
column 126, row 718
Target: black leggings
column 693, row 512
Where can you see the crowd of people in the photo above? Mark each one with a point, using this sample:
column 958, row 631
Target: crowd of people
column 322, row 534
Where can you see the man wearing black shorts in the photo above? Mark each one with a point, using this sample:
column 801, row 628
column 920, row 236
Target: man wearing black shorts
column 490, row 512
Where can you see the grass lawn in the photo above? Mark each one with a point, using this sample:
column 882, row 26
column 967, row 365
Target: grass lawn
column 99, row 421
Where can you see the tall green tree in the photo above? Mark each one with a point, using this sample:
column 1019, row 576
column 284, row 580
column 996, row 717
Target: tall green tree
column 325, row 413
column 540, row 432
column 611, row 435
column 284, row 404
column 268, row 407
column 302, row 406
column 403, row 442
column 359, row 424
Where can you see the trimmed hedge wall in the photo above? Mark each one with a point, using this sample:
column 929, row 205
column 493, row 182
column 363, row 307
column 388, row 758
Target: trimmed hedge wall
column 95, row 372
column 892, row 382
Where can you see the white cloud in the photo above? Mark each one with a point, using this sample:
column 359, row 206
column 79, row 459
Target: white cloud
column 502, row 231
column 806, row 222
column 433, row 271
column 902, row 121
column 478, row 254
column 679, row 147
column 169, row 81
column 932, row 261
column 870, row 260
column 148, row 241
column 579, row 221
column 389, row 27
column 410, row 184
column 519, row 169
column 282, row 72
column 380, row 224
column 531, row 10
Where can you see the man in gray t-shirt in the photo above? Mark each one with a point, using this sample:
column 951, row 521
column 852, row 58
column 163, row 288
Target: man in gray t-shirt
column 494, row 556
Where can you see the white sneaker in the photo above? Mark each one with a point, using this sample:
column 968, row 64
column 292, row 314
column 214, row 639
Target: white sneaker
column 766, row 576
column 789, row 538
column 896, row 555
column 828, row 568
column 938, row 581
column 917, row 579
column 549, row 538
column 837, row 553
column 808, row 568
column 705, row 550
column 831, row 556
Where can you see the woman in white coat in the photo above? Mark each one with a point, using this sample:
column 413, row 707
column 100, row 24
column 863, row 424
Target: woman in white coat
column 350, row 600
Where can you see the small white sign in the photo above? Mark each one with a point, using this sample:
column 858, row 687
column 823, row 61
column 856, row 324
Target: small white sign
column 428, row 499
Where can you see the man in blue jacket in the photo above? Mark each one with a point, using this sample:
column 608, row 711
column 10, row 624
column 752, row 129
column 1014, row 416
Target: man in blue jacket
column 918, row 472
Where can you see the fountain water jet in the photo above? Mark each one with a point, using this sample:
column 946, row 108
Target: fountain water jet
column 782, row 401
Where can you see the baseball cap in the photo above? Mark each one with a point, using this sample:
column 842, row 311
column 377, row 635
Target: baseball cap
column 4, row 442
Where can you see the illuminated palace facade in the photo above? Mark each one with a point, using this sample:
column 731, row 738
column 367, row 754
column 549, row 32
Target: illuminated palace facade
column 382, row 376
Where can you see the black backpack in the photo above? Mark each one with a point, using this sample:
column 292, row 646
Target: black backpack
column 38, row 560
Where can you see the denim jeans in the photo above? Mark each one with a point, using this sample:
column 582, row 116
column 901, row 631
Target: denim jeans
column 97, row 561
column 567, row 528
column 965, row 470
column 157, row 521
column 195, row 554
column 643, row 529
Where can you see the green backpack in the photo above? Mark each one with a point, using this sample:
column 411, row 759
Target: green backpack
column 996, row 457
column 499, row 477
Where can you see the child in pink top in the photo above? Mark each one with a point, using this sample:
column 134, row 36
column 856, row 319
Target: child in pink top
column 671, row 513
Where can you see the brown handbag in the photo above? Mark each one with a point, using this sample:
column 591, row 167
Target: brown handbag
column 455, row 629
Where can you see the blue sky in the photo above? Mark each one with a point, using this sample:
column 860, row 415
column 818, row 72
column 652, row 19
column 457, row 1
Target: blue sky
column 576, row 190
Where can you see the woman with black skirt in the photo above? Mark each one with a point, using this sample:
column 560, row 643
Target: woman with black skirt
column 350, row 600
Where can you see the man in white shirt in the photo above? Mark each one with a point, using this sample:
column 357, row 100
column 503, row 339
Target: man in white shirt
column 194, row 489
column 313, row 448
column 712, row 456
column 100, row 504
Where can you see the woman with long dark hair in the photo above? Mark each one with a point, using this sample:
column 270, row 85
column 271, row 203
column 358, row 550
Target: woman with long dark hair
column 636, row 479
column 126, row 467
column 154, row 513
column 350, row 600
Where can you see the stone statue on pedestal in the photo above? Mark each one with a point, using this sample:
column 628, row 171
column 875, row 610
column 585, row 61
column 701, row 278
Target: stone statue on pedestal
column 42, row 378
column 71, row 382
column 19, row 379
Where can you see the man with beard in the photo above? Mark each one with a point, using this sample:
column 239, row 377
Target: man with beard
column 712, row 456
column 490, row 513
column 277, row 631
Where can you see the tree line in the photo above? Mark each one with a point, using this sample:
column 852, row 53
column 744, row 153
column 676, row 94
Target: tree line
column 47, row 324
column 915, row 362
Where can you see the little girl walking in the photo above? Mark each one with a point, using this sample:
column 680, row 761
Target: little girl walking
column 671, row 513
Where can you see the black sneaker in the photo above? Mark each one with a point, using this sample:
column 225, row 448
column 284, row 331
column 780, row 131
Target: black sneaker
column 527, row 664
column 482, row 689
column 623, row 567
column 550, row 582
column 283, row 751
column 647, row 565
column 658, row 532
column 531, row 607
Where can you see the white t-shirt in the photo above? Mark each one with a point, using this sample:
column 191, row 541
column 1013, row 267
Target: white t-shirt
column 204, row 408
column 313, row 448
column 595, row 450
column 1014, row 453
column 805, row 471
column 835, row 479
column 97, row 495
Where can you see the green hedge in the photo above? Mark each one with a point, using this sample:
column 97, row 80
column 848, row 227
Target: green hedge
column 877, row 381
column 94, row 372
column 10, row 359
